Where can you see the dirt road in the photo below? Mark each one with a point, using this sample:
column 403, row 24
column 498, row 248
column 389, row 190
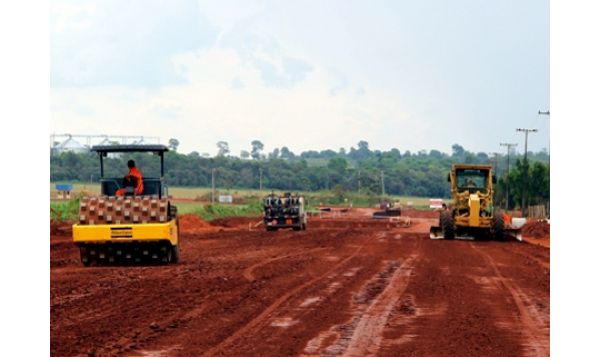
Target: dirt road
column 350, row 286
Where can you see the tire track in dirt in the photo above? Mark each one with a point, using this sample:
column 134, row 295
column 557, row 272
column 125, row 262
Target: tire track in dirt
column 529, row 317
column 543, row 261
column 263, row 316
column 367, row 336
column 248, row 272
column 362, row 335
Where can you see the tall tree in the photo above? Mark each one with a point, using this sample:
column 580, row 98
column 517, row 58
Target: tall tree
column 257, row 147
column 274, row 154
column 173, row 144
column 337, row 165
column 223, row 148
column 458, row 151
column 286, row 154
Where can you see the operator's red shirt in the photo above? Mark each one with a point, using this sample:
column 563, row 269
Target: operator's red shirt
column 140, row 183
column 139, row 189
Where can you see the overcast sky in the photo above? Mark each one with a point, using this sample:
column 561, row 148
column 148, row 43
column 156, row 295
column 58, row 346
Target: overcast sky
column 304, row 74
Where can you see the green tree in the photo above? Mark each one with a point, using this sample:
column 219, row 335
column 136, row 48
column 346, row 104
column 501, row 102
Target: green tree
column 257, row 147
column 173, row 144
column 223, row 147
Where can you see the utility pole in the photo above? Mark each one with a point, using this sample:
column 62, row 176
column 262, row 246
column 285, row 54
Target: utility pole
column 526, row 131
column 547, row 112
column 509, row 146
column 495, row 161
column 212, row 195
column 382, row 185
column 260, row 179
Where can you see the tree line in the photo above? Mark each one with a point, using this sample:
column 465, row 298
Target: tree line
column 421, row 173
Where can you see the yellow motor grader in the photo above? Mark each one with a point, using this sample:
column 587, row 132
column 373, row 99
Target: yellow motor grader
column 133, row 228
column 471, row 213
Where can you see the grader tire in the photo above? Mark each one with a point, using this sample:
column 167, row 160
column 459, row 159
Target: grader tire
column 498, row 227
column 447, row 224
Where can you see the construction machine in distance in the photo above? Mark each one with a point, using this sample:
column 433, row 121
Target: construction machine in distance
column 131, row 228
column 472, row 213
column 287, row 211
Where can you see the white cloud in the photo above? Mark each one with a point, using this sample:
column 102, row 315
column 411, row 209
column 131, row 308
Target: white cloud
column 308, row 75
column 70, row 17
column 209, row 109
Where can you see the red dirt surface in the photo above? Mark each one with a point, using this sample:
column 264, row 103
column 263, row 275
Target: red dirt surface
column 537, row 229
column 537, row 232
column 349, row 285
column 192, row 222
column 420, row 214
column 233, row 222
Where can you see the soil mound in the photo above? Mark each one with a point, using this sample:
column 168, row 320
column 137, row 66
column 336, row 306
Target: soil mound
column 414, row 213
column 58, row 228
column 537, row 229
column 232, row 222
column 192, row 222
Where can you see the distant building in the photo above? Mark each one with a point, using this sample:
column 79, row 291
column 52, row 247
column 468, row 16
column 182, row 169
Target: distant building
column 66, row 142
column 70, row 145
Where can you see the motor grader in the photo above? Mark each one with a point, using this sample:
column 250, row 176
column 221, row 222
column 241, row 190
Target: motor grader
column 471, row 213
column 130, row 228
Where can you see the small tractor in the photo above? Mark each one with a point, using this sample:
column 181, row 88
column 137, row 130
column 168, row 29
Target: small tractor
column 286, row 211
column 130, row 228
column 471, row 213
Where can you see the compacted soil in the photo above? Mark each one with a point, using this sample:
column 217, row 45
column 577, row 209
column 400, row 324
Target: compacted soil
column 349, row 285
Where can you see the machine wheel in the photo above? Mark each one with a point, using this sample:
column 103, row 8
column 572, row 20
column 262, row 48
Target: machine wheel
column 447, row 224
column 175, row 254
column 498, row 227
column 85, row 259
column 303, row 226
column 271, row 229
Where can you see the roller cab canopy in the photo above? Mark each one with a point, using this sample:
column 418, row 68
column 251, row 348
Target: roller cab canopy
column 152, row 186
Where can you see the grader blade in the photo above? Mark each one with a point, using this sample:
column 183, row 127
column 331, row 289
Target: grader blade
column 514, row 233
column 436, row 232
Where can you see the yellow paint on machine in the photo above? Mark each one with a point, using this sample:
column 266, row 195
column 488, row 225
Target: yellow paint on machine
column 474, row 206
column 123, row 233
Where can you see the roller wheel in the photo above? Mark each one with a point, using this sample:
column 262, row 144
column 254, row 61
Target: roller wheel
column 85, row 259
column 447, row 224
column 175, row 254
column 498, row 227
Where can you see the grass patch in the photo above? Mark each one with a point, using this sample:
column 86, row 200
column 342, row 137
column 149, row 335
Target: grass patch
column 215, row 211
column 247, row 202
column 64, row 210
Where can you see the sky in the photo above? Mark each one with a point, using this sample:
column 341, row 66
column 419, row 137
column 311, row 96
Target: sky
column 309, row 75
